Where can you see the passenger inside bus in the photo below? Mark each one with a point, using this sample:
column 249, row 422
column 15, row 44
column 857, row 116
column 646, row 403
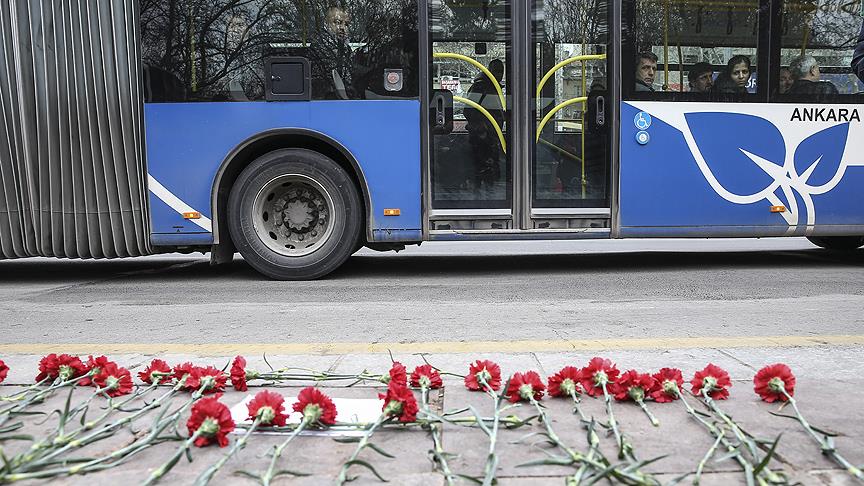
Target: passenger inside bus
column 482, row 134
column 785, row 81
column 331, row 57
column 805, row 72
column 646, row 69
column 701, row 78
column 734, row 77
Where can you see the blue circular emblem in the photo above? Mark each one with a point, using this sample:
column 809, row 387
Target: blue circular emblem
column 642, row 137
column 642, row 120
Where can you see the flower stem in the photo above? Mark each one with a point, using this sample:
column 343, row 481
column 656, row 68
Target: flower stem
column 625, row 450
column 707, row 457
column 492, row 459
column 644, row 407
column 162, row 470
column 343, row 474
column 436, row 431
column 826, row 445
column 205, row 477
column 277, row 453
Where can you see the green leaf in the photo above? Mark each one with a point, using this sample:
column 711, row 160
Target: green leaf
column 470, row 478
column 559, row 461
column 732, row 455
column 379, row 450
column 768, row 456
column 368, row 466
column 678, row 479
column 288, row 472
column 11, row 427
column 347, row 440
column 248, row 475
column 16, row 437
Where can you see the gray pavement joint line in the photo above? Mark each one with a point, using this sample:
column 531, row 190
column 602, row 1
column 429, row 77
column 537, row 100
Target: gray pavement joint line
column 733, row 357
column 539, row 364
column 336, row 363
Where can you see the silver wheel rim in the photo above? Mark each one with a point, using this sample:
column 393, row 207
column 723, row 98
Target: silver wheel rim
column 293, row 215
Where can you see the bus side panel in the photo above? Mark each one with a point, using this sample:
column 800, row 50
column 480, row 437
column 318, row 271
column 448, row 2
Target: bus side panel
column 186, row 143
column 766, row 169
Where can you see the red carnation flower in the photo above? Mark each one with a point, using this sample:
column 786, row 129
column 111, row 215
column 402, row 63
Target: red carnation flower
column 399, row 402
column 94, row 366
column 668, row 385
column 565, row 383
column 4, row 370
column 156, row 366
column 426, row 376
column 212, row 379
column 116, row 381
column 214, row 420
column 489, row 371
column 239, row 374
column 398, row 373
column 315, row 406
column 524, row 386
column 633, row 385
column 182, row 370
column 714, row 379
column 269, row 407
column 598, row 372
column 63, row 366
column 770, row 382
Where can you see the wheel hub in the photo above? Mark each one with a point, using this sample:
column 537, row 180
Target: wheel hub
column 292, row 215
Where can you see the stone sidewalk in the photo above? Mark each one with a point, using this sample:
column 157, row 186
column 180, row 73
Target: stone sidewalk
column 830, row 391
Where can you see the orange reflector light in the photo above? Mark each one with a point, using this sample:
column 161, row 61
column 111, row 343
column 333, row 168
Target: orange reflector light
column 392, row 212
column 192, row 215
column 778, row 209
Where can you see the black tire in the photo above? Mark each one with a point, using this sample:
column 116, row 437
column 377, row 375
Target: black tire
column 837, row 243
column 294, row 185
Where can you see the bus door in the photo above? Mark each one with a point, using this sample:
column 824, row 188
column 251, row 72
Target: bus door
column 519, row 122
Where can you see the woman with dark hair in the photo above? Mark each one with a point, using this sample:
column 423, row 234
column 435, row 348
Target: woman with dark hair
column 734, row 77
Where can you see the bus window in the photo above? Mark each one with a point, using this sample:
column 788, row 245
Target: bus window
column 690, row 49
column 199, row 50
column 817, row 42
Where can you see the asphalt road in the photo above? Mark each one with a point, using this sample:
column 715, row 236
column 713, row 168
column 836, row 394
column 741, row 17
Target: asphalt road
column 473, row 291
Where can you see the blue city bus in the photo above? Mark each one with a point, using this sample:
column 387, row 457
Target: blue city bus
column 296, row 132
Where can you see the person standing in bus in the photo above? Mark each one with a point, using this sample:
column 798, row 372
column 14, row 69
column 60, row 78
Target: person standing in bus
column 331, row 57
column 785, row 80
column 646, row 69
column 858, row 56
column 805, row 72
column 701, row 78
column 482, row 135
column 734, row 78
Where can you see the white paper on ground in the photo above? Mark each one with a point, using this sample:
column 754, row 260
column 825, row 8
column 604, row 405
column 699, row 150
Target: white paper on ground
column 353, row 410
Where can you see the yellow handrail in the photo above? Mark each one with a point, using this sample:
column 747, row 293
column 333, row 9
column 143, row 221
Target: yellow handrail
column 488, row 117
column 481, row 67
column 571, row 101
column 551, row 72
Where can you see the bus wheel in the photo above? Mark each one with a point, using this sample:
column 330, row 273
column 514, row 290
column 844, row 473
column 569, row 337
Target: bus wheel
column 294, row 214
column 837, row 243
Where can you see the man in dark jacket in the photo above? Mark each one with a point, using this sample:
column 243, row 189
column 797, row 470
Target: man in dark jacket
column 858, row 56
column 805, row 72
column 482, row 135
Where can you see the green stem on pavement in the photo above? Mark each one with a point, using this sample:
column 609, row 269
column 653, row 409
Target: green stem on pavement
column 824, row 442
column 625, row 449
column 436, row 430
column 277, row 453
column 343, row 473
column 162, row 470
column 651, row 417
column 205, row 477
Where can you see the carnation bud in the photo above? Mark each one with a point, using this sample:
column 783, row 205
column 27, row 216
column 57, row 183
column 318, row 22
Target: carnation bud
column 526, row 391
column 208, row 382
column 709, row 383
column 568, row 386
column 266, row 414
column 65, row 372
column 209, row 427
column 251, row 374
column 670, row 387
column 112, row 383
column 425, row 382
column 394, row 408
column 600, row 378
column 312, row 413
column 636, row 393
column 776, row 384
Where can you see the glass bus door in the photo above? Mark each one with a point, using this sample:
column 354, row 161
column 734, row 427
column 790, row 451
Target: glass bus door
column 527, row 148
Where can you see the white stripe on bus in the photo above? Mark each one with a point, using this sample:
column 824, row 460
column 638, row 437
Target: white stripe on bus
column 177, row 204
